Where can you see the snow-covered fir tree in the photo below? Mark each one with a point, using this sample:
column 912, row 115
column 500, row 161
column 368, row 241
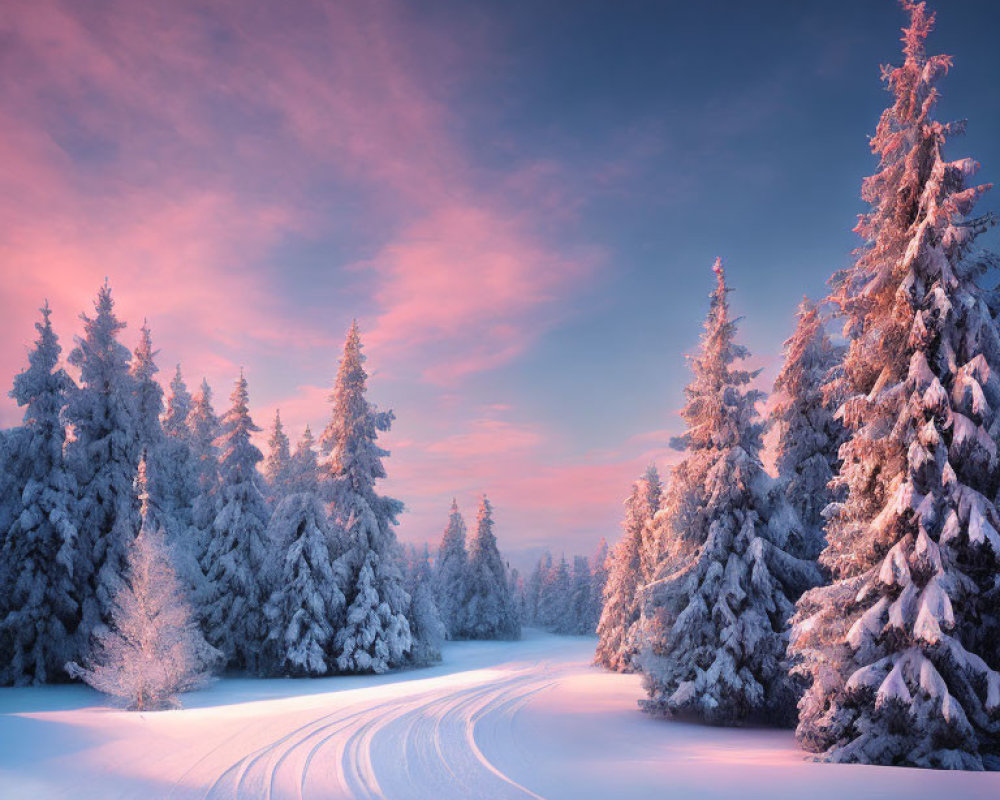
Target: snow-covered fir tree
column 809, row 435
column 487, row 612
column 717, row 628
column 148, row 396
column 450, row 572
column 278, row 462
column 553, row 599
column 153, row 649
column 376, row 635
column 599, row 579
column 203, row 429
column 307, row 603
column 533, row 588
column 579, row 620
column 236, row 563
column 38, row 609
column 901, row 650
column 618, row 640
column 104, row 456
column 303, row 469
column 426, row 626
column 179, row 485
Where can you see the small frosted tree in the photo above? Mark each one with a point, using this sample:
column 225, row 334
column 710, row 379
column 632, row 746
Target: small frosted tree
column 599, row 579
column 278, row 462
column 237, row 558
column 717, row 629
column 579, row 618
column 901, row 649
column 617, row 632
column 553, row 599
column 307, row 603
column 152, row 650
column 303, row 469
column 487, row 611
column 104, row 455
column 809, row 434
column 450, row 571
column 38, row 610
column 426, row 626
column 376, row 636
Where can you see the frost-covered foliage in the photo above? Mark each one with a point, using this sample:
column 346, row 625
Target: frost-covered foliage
column 376, row 636
column 38, row 609
column 235, row 563
column 901, row 649
column 426, row 626
column 104, row 456
column 153, row 650
column 303, row 469
column 278, row 464
column 307, row 603
column 716, row 628
column 450, row 572
column 487, row 612
column 809, row 435
column 629, row 571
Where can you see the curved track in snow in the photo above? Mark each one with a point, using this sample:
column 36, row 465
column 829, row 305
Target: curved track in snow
column 432, row 739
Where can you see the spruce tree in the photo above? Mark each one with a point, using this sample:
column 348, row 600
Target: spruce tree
column 38, row 610
column 376, row 636
column 717, row 627
column 426, row 626
column 599, row 579
column 617, row 633
column 450, row 572
column 236, row 562
column 303, row 469
column 553, row 599
column 203, row 429
column 809, row 434
column 104, row 455
column 487, row 611
column 900, row 651
column 307, row 602
column 579, row 616
column 278, row 463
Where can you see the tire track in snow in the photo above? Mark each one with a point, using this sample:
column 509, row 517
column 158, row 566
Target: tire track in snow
column 426, row 744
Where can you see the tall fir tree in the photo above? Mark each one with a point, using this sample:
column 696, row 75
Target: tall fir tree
column 599, row 579
column 579, row 618
column 203, row 429
column 303, row 469
column 38, row 610
column 617, row 632
column 278, row 462
column 553, row 598
column 376, row 636
column 487, row 611
column 426, row 626
column 901, row 651
column 148, row 396
column 809, row 434
column 236, row 562
column 104, row 455
column 451, row 571
column 717, row 628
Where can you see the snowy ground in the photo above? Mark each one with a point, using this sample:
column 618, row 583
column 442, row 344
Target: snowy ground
column 496, row 720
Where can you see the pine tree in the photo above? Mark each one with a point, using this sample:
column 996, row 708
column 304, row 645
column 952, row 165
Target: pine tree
column 104, row 456
column 487, row 611
column 618, row 641
column 376, row 636
column 237, row 559
column 278, row 463
column 809, row 435
column 303, row 469
column 426, row 626
column 38, row 610
column 203, row 428
column 450, row 572
column 553, row 600
column 536, row 583
column 599, row 579
column 901, row 649
column 179, row 486
column 717, row 628
column 307, row 603
column 148, row 395
column 579, row 616
column 153, row 650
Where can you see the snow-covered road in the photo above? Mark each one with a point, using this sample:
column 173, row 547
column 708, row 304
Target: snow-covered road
column 497, row 720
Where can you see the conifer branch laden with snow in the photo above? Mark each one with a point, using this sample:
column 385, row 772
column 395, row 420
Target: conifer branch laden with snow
column 900, row 650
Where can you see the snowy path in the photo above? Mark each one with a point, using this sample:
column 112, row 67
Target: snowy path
column 497, row 720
